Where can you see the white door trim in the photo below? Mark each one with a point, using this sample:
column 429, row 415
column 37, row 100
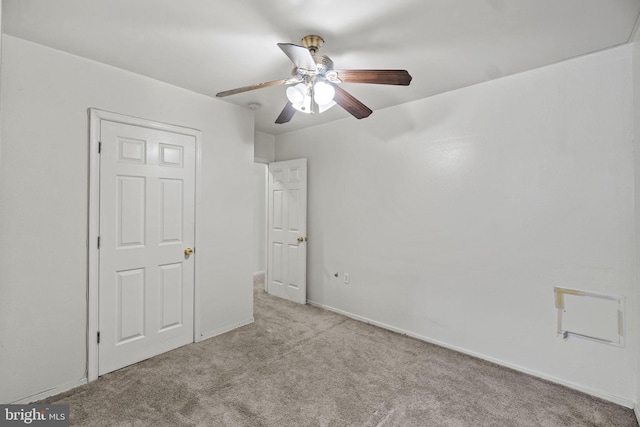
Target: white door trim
column 266, row 217
column 95, row 116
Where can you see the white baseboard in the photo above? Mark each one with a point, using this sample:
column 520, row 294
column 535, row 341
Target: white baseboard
column 51, row 392
column 224, row 329
column 602, row 395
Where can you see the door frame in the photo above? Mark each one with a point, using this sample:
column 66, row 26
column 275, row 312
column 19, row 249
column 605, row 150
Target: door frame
column 93, row 273
column 265, row 162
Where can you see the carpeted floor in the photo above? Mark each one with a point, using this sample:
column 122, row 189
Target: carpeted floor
column 303, row 366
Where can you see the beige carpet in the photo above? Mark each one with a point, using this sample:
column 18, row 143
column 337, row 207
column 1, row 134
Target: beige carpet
column 303, row 366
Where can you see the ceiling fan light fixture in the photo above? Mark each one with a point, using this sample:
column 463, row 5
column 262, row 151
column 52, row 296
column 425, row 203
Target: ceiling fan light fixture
column 315, row 84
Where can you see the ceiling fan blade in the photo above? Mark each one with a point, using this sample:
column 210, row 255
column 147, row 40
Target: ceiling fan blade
column 347, row 101
column 286, row 114
column 258, row 86
column 380, row 77
column 299, row 55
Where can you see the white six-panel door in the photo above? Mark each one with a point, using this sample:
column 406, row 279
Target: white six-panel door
column 147, row 215
column 287, row 246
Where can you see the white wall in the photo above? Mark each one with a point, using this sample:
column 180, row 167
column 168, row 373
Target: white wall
column 456, row 216
column 0, row 72
column 264, row 151
column 259, row 218
column 265, row 146
column 43, row 206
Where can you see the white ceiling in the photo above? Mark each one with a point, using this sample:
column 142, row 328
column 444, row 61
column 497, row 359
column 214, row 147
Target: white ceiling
column 212, row 45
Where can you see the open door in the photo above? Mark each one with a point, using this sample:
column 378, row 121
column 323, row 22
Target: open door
column 287, row 225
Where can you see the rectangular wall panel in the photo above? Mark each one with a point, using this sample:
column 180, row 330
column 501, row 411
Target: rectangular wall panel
column 171, row 208
column 130, row 305
column 130, row 211
column 277, row 263
column 171, row 296
column 278, row 209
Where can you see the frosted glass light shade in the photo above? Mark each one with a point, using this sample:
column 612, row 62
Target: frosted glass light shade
column 323, row 93
column 298, row 97
column 297, row 93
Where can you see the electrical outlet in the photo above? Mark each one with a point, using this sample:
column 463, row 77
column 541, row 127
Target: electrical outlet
column 347, row 280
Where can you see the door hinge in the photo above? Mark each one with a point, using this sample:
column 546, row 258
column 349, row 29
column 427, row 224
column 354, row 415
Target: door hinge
column 99, row 147
column 98, row 242
column 98, row 337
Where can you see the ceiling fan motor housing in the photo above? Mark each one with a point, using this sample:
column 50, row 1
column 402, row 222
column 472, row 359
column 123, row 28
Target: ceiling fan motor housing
column 324, row 65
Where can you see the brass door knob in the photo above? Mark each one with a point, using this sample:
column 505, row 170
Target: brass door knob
column 188, row 251
column 302, row 239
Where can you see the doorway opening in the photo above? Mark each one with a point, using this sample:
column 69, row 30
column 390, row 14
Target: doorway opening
column 280, row 227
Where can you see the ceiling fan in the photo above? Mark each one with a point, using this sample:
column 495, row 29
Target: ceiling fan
column 313, row 86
